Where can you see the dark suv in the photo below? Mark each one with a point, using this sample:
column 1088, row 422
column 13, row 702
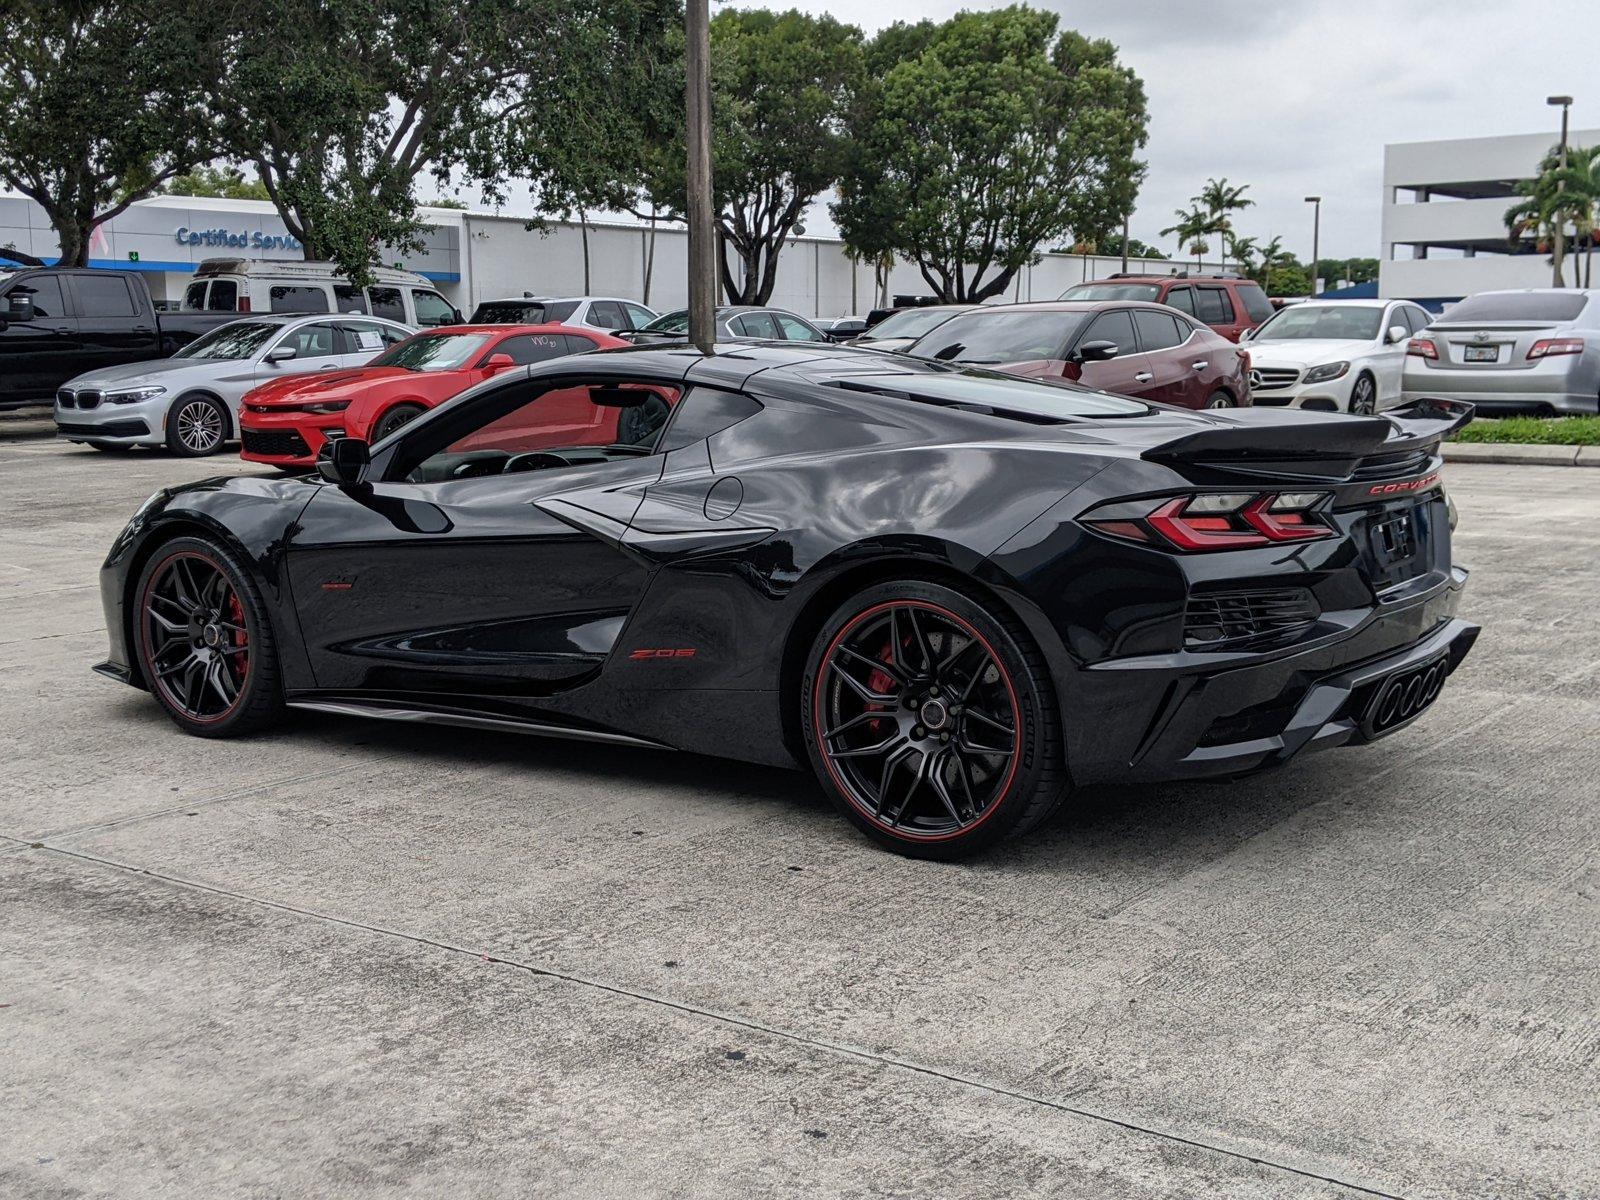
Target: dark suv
column 1229, row 304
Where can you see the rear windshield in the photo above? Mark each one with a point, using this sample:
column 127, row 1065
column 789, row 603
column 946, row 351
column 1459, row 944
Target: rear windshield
column 912, row 323
column 672, row 322
column 998, row 395
column 523, row 312
column 1113, row 291
column 1519, row 306
column 233, row 341
column 1343, row 322
column 993, row 338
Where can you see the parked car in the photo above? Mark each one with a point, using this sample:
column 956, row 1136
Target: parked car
column 842, row 329
column 1535, row 350
column 286, row 422
column 607, row 314
column 189, row 403
column 898, row 330
column 948, row 598
column 735, row 323
column 248, row 285
column 1227, row 303
column 1334, row 355
column 56, row 323
column 1132, row 349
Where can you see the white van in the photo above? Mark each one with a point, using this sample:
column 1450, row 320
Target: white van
column 247, row 285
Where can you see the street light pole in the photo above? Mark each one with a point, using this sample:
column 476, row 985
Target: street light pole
column 1316, row 236
column 1564, row 103
column 702, row 234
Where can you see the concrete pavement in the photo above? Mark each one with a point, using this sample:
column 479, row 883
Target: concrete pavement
column 364, row 960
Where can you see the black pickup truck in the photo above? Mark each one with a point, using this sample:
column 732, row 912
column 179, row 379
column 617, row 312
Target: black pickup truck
column 57, row 323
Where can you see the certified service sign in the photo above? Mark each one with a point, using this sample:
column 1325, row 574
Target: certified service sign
column 254, row 240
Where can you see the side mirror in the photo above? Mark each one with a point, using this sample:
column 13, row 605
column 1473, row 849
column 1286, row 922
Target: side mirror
column 280, row 354
column 1098, row 351
column 498, row 362
column 19, row 306
column 1246, row 334
column 344, row 461
column 1397, row 333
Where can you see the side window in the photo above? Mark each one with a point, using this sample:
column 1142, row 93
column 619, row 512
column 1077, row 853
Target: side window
column 288, row 298
column 535, row 347
column 194, row 296
column 1157, row 331
column 224, row 296
column 551, row 430
column 432, row 309
column 638, row 315
column 103, row 296
column 1255, row 301
column 703, row 412
column 1182, row 299
column 755, row 325
column 367, row 337
column 348, row 299
column 1115, row 326
column 578, row 344
column 1420, row 318
column 1213, row 306
column 607, row 314
column 797, row 330
column 309, row 341
column 46, row 292
column 386, row 302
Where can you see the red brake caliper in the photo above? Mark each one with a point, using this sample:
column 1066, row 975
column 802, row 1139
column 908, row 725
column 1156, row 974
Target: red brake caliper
column 240, row 663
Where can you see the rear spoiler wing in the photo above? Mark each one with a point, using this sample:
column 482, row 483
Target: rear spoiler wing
column 1258, row 436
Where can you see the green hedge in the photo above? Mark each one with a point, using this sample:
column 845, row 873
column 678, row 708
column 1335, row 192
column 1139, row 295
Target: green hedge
column 1543, row 431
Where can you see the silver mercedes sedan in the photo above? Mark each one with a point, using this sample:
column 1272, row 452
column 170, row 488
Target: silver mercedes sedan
column 189, row 403
column 1536, row 350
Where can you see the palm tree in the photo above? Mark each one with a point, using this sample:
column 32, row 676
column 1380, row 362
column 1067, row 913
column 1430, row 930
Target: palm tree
column 1270, row 254
column 1555, row 199
column 1243, row 250
column 1219, row 199
column 1191, row 229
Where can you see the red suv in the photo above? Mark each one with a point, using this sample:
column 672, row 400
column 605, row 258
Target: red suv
column 1143, row 350
column 1228, row 303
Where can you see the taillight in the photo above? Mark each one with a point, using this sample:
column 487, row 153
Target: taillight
column 244, row 304
column 1422, row 348
column 1216, row 520
column 1549, row 347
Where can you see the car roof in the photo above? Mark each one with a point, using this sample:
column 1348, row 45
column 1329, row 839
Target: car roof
column 1076, row 306
column 1131, row 278
column 547, row 327
column 557, row 300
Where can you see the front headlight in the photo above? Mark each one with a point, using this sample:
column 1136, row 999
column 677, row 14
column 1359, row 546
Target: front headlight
column 135, row 395
column 1326, row 372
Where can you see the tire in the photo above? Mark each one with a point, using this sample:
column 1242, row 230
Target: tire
column 1219, row 399
column 395, row 418
column 196, row 426
column 942, row 787
column 1364, row 396
column 204, row 642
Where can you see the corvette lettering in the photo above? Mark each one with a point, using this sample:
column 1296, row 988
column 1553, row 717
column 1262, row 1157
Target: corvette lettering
column 1409, row 485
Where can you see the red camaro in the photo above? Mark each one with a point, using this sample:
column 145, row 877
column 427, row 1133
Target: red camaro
column 287, row 421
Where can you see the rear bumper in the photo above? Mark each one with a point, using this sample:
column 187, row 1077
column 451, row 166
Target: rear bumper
column 1181, row 720
column 1563, row 385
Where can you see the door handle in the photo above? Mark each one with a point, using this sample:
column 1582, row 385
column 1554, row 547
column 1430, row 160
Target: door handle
column 1201, row 365
column 62, row 332
column 1143, row 377
column 328, row 367
column 141, row 329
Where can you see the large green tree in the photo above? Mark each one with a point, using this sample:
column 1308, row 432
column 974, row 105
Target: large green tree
column 983, row 138
column 101, row 104
column 341, row 105
column 1560, row 199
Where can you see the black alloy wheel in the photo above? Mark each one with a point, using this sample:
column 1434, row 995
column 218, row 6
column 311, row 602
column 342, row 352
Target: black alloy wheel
column 396, row 418
column 203, row 643
column 1219, row 399
column 923, row 715
column 1364, row 396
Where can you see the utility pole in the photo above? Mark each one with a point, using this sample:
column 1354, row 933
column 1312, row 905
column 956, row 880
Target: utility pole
column 1125, row 217
column 702, row 234
column 1316, row 235
column 1564, row 103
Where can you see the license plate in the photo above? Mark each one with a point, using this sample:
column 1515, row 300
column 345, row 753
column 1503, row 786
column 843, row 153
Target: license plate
column 1397, row 542
column 1404, row 696
column 1482, row 354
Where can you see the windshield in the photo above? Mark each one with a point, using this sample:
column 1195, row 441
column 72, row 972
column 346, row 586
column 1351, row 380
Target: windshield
column 1113, row 291
column 235, row 340
column 672, row 322
column 1342, row 322
column 912, row 323
column 1001, row 337
column 436, row 352
column 523, row 312
column 1518, row 306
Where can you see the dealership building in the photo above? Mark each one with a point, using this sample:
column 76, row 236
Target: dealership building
column 1444, row 206
column 473, row 256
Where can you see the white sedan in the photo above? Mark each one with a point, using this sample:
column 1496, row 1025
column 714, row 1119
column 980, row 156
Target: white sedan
column 1334, row 355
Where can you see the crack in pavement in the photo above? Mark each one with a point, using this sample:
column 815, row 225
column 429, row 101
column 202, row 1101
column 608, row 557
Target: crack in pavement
column 841, row 1049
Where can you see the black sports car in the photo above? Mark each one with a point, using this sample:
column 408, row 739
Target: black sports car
column 952, row 593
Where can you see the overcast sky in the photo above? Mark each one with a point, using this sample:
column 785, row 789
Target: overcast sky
column 1298, row 97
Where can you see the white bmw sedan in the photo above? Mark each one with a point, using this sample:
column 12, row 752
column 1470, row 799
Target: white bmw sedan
column 1334, row 355
column 189, row 403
